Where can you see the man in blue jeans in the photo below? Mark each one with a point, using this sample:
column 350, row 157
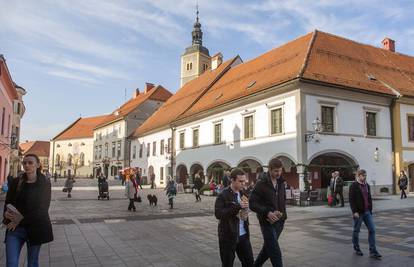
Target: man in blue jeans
column 268, row 200
column 360, row 201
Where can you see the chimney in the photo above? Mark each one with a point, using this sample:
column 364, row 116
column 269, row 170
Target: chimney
column 148, row 87
column 136, row 93
column 216, row 60
column 388, row 44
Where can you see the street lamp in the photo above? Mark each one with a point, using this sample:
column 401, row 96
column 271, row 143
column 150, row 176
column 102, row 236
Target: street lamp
column 317, row 128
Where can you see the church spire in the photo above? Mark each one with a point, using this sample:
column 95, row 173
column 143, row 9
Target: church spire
column 197, row 33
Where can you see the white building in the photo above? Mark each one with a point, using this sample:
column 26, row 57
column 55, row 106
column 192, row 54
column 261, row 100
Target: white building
column 319, row 103
column 71, row 151
column 112, row 148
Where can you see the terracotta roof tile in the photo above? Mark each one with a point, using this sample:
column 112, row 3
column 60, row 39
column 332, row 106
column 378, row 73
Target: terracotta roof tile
column 274, row 67
column 158, row 93
column 39, row 148
column 81, row 128
column 182, row 100
column 337, row 60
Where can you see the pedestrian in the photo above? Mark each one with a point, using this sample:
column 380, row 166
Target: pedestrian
column 171, row 189
column 268, row 200
column 122, row 177
column 152, row 178
column 226, row 178
column 332, row 189
column 259, row 173
column 231, row 209
column 130, row 192
column 69, row 185
column 198, row 184
column 55, row 176
column 360, row 201
column 338, row 188
column 26, row 213
column 402, row 183
column 138, row 178
column 9, row 179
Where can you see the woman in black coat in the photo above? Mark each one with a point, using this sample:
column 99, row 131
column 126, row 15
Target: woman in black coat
column 26, row 213
column 403, row 183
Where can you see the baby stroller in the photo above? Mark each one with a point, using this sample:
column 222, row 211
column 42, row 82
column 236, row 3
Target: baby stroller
column 103, row 190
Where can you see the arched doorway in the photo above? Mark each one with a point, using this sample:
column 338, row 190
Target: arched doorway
column 182, row 174
column 216, row 171
column 411, row 177
column 289, row 172
column 194, row 169
column 249, row 166
column 321, row 167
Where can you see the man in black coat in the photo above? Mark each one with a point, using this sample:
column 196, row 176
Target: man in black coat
column 231, row 209
column 268, row 200
column 360, row 201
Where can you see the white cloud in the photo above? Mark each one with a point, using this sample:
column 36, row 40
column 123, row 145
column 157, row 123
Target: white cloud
column 71, row 76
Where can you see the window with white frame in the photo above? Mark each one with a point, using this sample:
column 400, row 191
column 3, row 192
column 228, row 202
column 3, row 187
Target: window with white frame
column 118, row 154
column 148, row 149
column 182, row 140
column 154, row 148
column 169, row 145
column 162, row 147
column 217, row 133
column 141, row 147
column 410, row 124
column 113, row 149
column 195, row 137
column 371, row 123
column 134, row 151
column 276, row 121
column 248, row 130
column 161, row 175
column 328, row 118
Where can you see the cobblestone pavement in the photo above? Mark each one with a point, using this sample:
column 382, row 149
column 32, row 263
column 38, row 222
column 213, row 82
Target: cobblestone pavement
column 91, row 232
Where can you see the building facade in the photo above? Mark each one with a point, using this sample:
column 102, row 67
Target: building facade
column 39, row 148
column 319, row 103
column 71, row 151
column 8, row 96
column 112, row 146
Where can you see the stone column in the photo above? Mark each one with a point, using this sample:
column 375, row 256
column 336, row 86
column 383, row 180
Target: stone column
column 300, row 169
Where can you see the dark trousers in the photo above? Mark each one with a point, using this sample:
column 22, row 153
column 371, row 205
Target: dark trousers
column 271, row 248
column 243, row 248
column 403, row 194
column 341, row 196
column 131, row 205
column 69, row 192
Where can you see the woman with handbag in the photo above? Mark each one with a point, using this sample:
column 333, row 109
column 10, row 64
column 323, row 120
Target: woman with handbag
column 130, row 192
column 26, row 213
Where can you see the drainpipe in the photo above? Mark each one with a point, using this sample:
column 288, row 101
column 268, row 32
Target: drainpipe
column 172, row 151
column 394, row 187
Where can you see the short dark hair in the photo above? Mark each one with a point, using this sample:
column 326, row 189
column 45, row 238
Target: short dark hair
column 275, row 163
column 361, row 172
column 236, row 172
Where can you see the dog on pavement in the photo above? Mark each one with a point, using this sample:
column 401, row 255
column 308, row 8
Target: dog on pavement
column 152, row 199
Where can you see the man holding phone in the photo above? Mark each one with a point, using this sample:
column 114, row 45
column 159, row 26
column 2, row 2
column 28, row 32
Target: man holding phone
column 268, row 200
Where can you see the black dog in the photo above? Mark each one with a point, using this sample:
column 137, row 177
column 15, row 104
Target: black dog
column 152, row 199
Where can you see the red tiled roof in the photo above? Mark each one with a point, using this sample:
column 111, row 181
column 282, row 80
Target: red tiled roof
column 39, row 148
column 182, row 100
column 317, row 56
column 157, row 93
column 81, row 128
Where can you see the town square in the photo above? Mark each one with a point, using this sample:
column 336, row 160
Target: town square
column 206, row 133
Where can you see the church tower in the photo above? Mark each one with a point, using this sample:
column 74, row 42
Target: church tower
column 196, row 58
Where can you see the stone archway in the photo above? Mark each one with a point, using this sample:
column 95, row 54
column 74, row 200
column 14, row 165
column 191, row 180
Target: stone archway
column 216, row 171
column 321, row 167
column 182, row 174
column 249, row 166
column 194, row 169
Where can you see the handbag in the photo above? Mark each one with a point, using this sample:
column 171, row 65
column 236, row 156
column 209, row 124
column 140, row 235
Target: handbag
column 64, row 190
column 137, row 198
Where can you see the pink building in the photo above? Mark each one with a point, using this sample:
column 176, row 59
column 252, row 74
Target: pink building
column 8, row 95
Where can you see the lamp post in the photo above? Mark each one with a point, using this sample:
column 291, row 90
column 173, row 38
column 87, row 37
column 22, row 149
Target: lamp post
column 317, row 128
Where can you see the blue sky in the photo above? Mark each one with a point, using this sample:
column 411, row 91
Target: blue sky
column 78, row 57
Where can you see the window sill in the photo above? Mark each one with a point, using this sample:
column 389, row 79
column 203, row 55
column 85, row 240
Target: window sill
column 277, row 134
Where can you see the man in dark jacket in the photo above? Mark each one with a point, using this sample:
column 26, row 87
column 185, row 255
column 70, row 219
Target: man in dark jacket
column 231, row 209
column 360, row 201
column 268, row 200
